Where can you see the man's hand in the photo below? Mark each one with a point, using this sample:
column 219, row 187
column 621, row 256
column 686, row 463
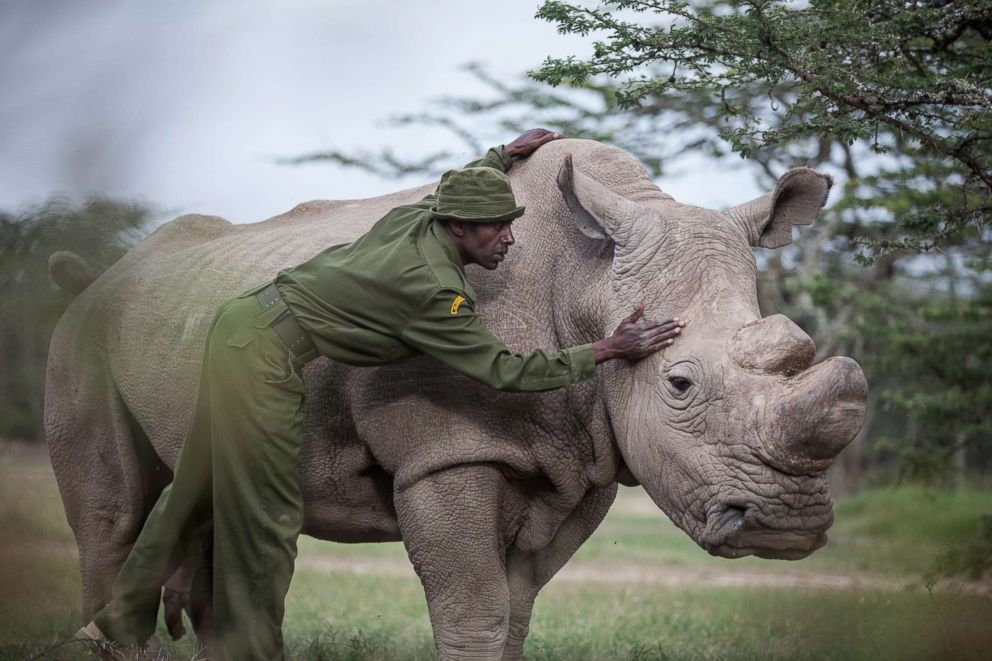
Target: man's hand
column 529, row 141
column 633, row 341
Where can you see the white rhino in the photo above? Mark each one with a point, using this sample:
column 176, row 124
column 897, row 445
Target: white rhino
column 729, row 430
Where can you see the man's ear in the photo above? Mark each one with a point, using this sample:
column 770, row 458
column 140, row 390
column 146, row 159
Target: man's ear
column 457, row 227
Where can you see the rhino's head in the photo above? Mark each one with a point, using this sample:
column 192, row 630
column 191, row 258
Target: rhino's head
column 730, row 429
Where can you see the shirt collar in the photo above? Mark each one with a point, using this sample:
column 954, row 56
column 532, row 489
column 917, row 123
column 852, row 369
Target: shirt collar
column 444, row 242
column 439, row 249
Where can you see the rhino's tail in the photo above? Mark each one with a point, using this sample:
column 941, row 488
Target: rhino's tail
column 70, row 271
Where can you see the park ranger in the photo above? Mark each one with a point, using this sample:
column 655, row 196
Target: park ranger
column 398, row 291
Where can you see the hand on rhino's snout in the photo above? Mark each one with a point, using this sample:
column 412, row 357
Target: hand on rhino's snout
column 636, row 338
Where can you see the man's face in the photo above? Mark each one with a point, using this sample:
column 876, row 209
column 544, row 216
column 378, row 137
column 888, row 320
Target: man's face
column 486, row 244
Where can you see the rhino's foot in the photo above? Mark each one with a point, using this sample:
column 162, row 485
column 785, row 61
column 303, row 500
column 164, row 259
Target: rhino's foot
column 470, row 639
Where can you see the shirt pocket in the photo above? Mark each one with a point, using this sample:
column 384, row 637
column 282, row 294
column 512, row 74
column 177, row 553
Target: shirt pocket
column 239, row 336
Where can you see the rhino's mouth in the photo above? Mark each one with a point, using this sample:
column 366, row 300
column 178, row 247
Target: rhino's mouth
column 730, row 533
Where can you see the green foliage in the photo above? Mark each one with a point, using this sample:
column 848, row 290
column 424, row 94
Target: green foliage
column 972, row 557
column 509, row 108
column 938, row 359
column 99, row 230
column 907, row 79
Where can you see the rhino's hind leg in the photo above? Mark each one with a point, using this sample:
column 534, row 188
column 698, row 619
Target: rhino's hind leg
column 107, row 472
column 190, row 590
column 450, row 524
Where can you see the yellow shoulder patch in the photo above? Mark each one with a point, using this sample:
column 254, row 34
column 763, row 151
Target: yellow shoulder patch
column 456, row 303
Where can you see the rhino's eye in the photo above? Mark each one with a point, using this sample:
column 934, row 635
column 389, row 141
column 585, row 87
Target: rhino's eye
column 680, row 383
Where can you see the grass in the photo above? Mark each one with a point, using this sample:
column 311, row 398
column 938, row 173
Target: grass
column 337, row 614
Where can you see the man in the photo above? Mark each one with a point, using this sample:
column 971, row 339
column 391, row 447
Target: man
column 396, row 292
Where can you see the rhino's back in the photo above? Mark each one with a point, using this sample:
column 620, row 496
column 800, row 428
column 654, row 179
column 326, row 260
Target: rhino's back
column 211, row 253
column 147, row 316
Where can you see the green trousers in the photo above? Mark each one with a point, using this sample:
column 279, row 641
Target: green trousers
column 239, row 468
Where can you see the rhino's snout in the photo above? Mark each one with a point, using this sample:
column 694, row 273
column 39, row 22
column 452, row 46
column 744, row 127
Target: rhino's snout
column 820, row 414
column 732, row 532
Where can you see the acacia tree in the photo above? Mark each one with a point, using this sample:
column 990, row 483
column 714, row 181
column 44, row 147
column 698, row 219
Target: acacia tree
column 909, row 79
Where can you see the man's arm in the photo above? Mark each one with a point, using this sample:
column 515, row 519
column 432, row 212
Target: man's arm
column 447, row 328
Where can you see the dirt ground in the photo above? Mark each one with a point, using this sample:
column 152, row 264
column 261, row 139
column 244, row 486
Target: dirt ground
column 674, row 577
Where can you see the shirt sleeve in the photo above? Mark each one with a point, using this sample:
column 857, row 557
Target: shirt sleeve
column 447, row 328
column 495, row 158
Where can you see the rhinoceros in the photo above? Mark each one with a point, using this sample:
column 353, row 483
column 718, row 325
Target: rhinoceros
column 729, row 430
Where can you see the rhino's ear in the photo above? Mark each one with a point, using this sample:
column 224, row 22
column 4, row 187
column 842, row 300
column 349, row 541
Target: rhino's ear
column 796, row 200
column 599, row 213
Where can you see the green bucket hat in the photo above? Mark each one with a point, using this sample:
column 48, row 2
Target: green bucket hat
column 480, row 195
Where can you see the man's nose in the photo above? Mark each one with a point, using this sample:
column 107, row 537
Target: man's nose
column 508, row 237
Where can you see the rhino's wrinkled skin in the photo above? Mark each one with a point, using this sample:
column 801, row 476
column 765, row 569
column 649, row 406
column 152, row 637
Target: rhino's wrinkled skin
column 729, row 430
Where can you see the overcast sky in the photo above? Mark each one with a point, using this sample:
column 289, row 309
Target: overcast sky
column 187, row 104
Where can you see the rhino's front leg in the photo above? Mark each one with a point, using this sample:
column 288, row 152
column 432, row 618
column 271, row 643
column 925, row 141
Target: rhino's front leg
column 528, row 572
column 450, row 526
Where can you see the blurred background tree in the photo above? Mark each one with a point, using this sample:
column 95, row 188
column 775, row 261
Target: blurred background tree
column 892, row 98
column 100, row 230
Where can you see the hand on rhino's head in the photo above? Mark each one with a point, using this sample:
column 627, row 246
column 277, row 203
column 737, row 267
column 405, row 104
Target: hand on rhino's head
column 731, row 428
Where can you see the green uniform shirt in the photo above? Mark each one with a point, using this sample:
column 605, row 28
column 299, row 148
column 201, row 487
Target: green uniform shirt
column 400, row 290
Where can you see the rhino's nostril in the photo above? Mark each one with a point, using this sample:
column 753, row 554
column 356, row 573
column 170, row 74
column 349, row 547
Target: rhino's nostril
column 725, row 523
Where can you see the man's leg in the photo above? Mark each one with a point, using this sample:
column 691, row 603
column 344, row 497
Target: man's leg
column 258, row 508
